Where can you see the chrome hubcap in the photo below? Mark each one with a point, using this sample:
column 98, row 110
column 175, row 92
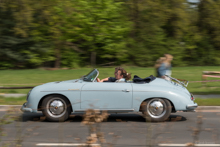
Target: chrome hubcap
column 56, row 107
column 156, row 108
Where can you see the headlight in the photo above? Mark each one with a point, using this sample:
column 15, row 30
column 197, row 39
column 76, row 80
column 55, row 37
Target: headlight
column 28, row 94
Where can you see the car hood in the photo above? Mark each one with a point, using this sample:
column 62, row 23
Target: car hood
column 60, row 85
column 62, row 82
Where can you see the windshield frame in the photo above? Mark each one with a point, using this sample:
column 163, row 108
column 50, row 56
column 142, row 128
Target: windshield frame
column 89, row 74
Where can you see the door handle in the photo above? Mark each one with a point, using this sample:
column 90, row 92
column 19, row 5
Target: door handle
column 126, row 90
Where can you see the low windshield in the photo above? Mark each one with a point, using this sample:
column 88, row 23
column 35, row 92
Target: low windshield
column 91, row 76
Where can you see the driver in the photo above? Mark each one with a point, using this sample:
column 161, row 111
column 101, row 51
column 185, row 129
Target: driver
column 121, row 75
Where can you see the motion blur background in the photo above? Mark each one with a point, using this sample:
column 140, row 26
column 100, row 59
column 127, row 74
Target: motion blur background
column 79, row 33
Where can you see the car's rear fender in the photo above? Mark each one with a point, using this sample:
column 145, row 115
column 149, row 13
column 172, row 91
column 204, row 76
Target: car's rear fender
column 179, row 99
column 143, row 103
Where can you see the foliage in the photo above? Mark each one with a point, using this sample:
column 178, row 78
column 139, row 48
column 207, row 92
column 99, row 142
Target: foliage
column 18, row 49
column 72, row 33
column 208, row 101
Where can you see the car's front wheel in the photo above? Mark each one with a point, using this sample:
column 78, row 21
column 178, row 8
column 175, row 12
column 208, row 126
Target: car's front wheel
column 156, row 109
column 56, row 108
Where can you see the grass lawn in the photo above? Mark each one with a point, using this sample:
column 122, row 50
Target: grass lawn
column 33, row 77
column 208, row 102
column 12, row 100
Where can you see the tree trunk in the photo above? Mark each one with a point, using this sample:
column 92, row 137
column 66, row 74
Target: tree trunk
column 58, row 58
column 93, row 59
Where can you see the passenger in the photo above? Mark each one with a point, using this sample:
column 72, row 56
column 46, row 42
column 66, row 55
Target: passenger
column 165, row 67
column 158, row 64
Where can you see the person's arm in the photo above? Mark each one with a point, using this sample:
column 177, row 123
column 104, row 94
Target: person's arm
column 98, row 80
column 105, row 79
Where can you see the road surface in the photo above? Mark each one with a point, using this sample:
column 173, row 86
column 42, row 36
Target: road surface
column 120, row 130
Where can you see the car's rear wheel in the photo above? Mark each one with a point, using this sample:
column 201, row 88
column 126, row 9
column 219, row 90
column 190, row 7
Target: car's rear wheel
column 56, row 108
column 156, row 109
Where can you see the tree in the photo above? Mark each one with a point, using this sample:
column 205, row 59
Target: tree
column 208, row 24
column 98, row 29
column 18, row 47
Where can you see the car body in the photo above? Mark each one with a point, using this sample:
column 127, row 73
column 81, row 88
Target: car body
column 156, row 99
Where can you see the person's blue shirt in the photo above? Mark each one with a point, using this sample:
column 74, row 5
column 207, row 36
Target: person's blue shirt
column 164, row 70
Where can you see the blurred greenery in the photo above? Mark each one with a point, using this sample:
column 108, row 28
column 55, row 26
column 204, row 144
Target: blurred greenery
column 70, row 33
column 33, row 77
column 208, row 102
column 12, row 100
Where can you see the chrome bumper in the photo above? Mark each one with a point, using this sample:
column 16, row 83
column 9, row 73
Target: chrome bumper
column 24, row 109
column 191, row 106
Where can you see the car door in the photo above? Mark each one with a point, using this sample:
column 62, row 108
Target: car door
column 106, row 95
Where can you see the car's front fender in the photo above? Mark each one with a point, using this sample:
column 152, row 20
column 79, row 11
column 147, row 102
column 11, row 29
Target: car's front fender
column 69, row 90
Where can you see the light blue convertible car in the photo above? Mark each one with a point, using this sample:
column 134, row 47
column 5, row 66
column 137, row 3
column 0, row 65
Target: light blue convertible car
column 156, row 99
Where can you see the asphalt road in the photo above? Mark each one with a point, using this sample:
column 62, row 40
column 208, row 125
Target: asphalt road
column 120, row 130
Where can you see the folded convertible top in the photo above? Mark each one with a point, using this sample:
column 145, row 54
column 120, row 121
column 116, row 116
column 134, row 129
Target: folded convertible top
column 139, row 80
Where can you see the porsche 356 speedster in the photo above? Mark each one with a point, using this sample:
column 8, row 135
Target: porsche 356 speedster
column 156, row 98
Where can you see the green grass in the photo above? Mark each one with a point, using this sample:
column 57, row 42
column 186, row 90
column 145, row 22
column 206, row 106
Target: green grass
column 12, row 101
column 38, row 76
column 208, row 102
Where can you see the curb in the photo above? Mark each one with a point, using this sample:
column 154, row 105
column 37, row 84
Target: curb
column 208, row 108
column 10, row 106
column 15, row 95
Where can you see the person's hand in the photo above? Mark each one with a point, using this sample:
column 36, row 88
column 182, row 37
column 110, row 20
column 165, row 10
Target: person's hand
column 98, row 80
